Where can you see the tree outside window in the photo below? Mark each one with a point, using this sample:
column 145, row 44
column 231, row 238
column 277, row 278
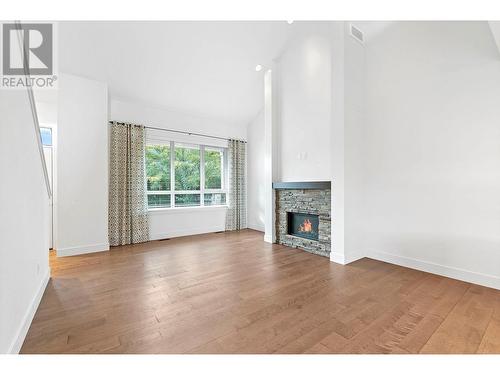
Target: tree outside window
column 197, row 172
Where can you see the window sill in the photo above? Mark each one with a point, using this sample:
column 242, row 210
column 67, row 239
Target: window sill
column 185, row 209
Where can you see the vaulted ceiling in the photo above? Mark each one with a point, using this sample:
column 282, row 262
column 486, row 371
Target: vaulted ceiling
column 202, row 68
column 495, row 30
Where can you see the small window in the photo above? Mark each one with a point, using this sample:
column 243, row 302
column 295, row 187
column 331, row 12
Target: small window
column 215, row 199
column 158, row 200
column 187, row 200
column 46, row 134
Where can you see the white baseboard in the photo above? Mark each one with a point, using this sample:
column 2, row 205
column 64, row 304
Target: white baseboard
column 79, row 250
column 184, row 232
column 490, row 281
column 342, row 259
column 337, row 258
column 353, row 257
column 268, row 239
column 22, row 331
column 256, row 227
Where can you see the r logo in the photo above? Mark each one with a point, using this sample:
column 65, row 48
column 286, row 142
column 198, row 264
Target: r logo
column 37, row 55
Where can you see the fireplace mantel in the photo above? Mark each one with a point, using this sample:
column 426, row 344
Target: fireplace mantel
column 302, row 185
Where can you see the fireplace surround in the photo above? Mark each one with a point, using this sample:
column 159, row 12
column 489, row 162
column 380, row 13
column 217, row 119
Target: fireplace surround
column 303, row 216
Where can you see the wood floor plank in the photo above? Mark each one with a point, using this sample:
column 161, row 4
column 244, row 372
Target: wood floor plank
column 463, row 329
column 234, row 293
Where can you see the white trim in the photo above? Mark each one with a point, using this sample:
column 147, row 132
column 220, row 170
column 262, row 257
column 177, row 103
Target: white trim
column 84, row 249
column 184, row 232
column 202, row 176
column 337, row 258
column 268, row 238
column 22, row 331
column 185, row 209
column 343, row 259
column 354, row 257
column 172, row 173
column 490, row 281
column 257, row 227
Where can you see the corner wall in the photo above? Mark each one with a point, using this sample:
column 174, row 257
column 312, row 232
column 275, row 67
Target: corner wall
column 82, row 166
column 432, row 188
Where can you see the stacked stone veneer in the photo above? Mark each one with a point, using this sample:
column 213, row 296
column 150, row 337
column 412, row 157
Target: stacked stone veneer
column 309, row 201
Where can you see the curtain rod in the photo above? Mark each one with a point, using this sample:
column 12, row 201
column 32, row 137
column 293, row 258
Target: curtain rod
column 188, row 133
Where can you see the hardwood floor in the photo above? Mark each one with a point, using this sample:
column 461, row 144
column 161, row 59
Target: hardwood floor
column 234, row 293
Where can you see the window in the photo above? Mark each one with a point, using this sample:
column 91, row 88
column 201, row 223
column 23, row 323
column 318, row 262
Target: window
column 185, row 175
column 158, row 175
column 213, row 163
column 213, row 168
column 46, row 134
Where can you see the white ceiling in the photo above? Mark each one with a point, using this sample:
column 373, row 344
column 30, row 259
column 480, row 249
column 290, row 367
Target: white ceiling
column 372, row 29
column 495, row 30
column 202, row 68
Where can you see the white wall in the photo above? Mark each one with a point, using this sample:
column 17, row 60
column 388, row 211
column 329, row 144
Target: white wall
column 433, row 156
column 186, row 221
column 354, row 146
column 304, row 86
column 82, row 166
column 128, row 110
column 24, row 254
column 176, row 222
column 256, row 173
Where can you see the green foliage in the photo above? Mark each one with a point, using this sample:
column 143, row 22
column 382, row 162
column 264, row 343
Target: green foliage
column 187, row 168
column 158, row 167
column 159, row 200
column 185, row 200
column 213, row 168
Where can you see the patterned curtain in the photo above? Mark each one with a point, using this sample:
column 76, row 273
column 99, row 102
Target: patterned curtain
column 128, row 214
column 236, row 216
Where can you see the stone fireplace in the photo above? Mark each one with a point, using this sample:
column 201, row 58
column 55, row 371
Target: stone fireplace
column 303, row 215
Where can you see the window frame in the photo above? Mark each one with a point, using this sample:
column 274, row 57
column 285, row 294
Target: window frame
column 202, row 191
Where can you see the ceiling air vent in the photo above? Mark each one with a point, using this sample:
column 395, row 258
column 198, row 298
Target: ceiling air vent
column 357, row 34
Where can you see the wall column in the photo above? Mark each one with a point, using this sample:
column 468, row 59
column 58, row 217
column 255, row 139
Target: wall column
column 270, row 152
column 337, row 253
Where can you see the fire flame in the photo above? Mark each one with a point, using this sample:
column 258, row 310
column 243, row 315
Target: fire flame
column 306, row 226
